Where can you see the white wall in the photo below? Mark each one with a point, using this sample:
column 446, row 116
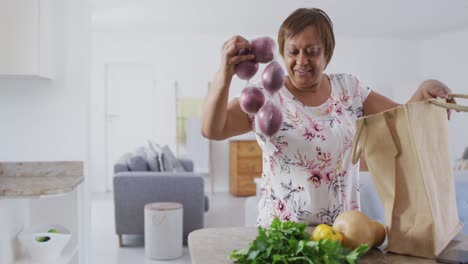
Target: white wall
column 48, row 120
column 192, row 59
column 446, row 59
column 14, row 216
column 381, row 63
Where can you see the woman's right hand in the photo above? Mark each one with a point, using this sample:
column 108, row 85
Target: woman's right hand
column 230, row 57
column 222, row 119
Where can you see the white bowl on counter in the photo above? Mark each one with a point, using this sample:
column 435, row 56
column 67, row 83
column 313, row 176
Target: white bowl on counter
column 44, row 246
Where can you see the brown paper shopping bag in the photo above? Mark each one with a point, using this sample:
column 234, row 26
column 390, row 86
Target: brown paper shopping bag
column 407, row 151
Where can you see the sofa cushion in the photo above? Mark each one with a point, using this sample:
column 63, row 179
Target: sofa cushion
column 121, row 164
column 175, row 163
column 187, row 164
column 157, row 149
column 166, row 163
column 167, row 160
column 465, row 154
column 152, row 158
column 137, row 162
column 119, row 167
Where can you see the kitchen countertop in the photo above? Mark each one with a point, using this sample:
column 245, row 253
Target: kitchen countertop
column 26, row 179
column 213, row 245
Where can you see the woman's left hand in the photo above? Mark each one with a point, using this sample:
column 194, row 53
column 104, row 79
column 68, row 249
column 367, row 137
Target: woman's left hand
column 433, row 89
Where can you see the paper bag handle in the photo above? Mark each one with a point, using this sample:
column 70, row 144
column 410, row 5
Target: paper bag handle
column 451, row 105
column 393, row 137
column 357, row 151
column 390, row 177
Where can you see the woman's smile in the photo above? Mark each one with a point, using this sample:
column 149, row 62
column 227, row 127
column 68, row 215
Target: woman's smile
column 302, row 72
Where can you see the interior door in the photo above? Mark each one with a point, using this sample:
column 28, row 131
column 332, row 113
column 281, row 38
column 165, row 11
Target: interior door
column 130, row 110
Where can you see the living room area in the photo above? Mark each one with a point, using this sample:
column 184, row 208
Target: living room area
column 122, row 101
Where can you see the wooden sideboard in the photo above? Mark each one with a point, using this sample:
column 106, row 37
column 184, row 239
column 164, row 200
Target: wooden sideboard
column 245, row 165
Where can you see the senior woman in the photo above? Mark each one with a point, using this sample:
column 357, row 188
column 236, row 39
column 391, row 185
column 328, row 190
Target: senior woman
column 309, row 177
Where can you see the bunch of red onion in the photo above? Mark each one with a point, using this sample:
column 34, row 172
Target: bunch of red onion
column 252, row 100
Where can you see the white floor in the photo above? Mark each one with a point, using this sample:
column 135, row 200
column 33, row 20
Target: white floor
column 225, row 210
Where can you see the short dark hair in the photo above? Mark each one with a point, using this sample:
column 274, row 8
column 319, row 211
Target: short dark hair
column 302, row 18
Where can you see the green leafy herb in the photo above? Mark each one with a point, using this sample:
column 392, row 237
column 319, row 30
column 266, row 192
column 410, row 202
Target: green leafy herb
column 289, row 243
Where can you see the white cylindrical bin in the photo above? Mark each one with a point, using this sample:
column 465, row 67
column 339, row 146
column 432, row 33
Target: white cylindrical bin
column 163, row 230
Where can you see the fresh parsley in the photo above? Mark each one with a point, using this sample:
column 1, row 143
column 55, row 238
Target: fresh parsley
column 289, row 243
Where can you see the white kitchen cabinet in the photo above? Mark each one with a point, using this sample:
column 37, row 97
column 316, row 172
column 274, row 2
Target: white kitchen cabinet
column 26, row 39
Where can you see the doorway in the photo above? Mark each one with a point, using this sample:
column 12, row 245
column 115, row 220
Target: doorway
column 130, row 109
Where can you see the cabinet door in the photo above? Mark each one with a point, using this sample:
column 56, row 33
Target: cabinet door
column 246, row 165
column 248, row 149
column 19, row 31
column 26, row 45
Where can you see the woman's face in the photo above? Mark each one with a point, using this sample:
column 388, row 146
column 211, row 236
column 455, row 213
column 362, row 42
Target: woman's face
column 304, row 57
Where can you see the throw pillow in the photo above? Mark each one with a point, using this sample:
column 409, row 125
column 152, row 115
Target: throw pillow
column 175, row 164
column 152, row 159
column 166, row 162
column 137, row 162
column 157, row 149
column 465, row 154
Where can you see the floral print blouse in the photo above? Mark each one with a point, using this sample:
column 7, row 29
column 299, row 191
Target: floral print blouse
column 307, row 171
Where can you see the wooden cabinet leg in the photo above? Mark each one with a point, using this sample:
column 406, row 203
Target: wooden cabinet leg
column 120, row 240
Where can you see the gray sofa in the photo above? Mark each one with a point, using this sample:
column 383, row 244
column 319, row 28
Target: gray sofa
column 134, row 189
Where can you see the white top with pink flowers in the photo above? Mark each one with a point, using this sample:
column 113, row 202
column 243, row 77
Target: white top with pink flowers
column 307, row 171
